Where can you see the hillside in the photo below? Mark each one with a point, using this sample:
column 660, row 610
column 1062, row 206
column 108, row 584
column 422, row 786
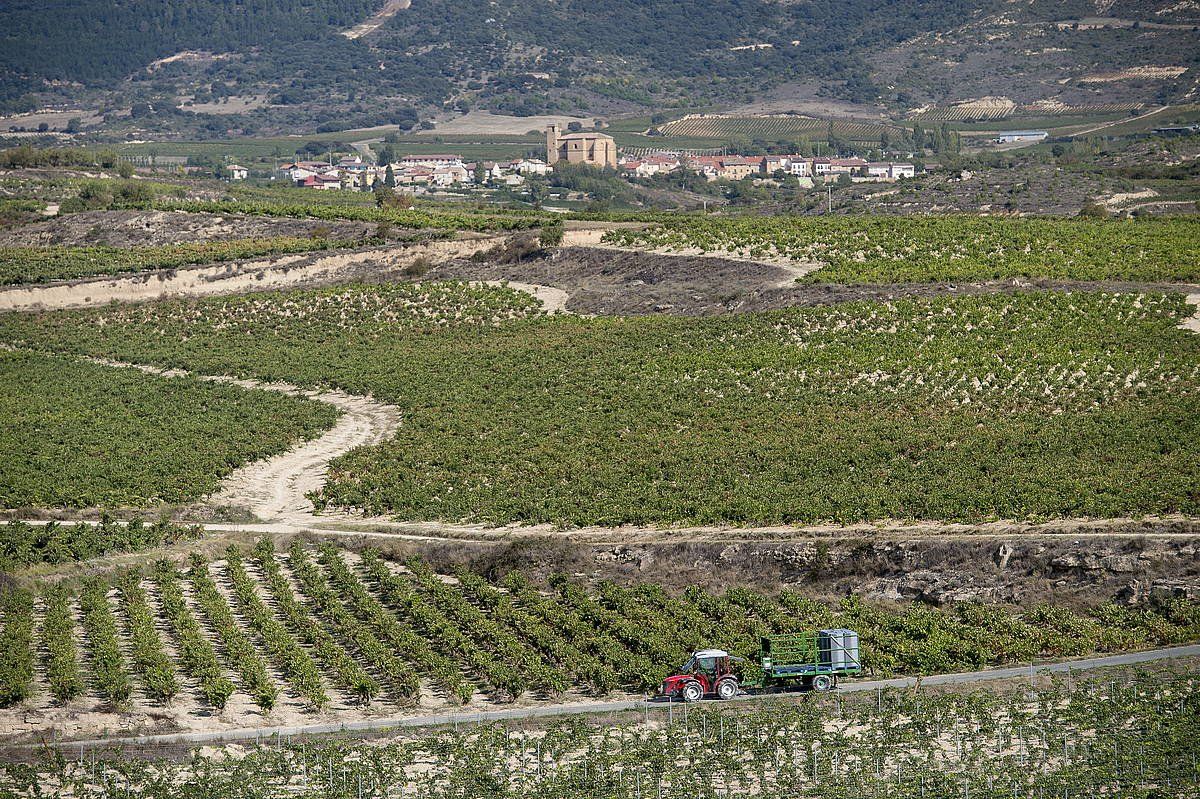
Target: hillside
column 212, row 68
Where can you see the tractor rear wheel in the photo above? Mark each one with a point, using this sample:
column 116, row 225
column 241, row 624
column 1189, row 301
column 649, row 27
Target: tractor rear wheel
column 822, row 683
column 727, row 689
column 693, row 692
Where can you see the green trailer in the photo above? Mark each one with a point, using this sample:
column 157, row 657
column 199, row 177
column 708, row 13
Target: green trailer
column 810, row 660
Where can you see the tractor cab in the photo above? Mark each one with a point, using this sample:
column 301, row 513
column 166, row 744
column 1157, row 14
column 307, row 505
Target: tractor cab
column 707, row 671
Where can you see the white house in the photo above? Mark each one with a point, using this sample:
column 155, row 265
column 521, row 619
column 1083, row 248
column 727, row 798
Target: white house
column 532, row 166
column 299, row 170
column 799, row 166
column 235, row 172
column 887, row 171
column 450, row 175
column 432, row 161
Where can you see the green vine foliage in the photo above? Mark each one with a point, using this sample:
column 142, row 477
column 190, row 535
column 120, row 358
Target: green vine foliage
column 1117, row 734
column 1024, row 405
column 938, row 248
column 16, row 644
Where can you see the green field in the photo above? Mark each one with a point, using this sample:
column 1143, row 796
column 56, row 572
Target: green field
column 1025, row 406
column 81, row 435
column 933, row 248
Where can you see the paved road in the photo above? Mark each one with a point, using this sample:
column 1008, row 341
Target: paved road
column 442, row 719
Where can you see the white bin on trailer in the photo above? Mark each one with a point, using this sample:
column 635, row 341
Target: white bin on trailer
column 839, row 649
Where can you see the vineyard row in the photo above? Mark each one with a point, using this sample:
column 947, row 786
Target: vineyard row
column 1120, row 734
column 321, row 626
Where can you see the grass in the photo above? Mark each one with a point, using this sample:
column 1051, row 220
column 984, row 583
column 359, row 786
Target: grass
column 1027, row 406
column 80, row 435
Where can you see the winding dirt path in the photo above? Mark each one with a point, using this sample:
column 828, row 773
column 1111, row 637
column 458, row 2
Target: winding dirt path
column 275, row 489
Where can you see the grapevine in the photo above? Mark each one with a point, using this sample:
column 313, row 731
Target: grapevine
column 16, row 644
column 335, row 659
column 108, row 674
column 287, row 654
column 327, row 606
column 151, row 662
column 443, row 634
column 197, row 658
column 240, row 654
column 58, row 639
column 371, row 612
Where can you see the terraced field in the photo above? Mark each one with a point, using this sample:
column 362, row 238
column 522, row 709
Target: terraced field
column 317, row 628
column 1114, row 734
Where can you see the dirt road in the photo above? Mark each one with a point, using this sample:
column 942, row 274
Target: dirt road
column 579, row 708
column 389, row 10
column 274, row 490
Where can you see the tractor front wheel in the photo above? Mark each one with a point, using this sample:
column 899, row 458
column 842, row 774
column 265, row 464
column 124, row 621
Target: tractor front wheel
column 822, row 683
column 727, row 689
column 693, row 692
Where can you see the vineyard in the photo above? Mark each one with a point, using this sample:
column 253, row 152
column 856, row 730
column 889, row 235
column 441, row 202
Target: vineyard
column 929, row 249
column 23, row 545
column 1122, row 734
column 435, row 219
column 1010, row 406
column 80, row 434
column 19, row 265
column 717, row 126
column 976, row 112
column 317, row 627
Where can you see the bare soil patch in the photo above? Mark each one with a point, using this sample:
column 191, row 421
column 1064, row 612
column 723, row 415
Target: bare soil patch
column 611, row 282
column 487, row 122
column 389, row 10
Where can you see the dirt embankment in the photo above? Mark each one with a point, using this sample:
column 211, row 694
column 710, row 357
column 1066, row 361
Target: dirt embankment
column 603, row 281
column 235, row 277
column 1083, row 571
column 148, row 228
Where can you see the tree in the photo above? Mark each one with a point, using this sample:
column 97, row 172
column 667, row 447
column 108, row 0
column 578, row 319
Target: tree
column 125, row 169
column 389, row 177
column 481, row 174
column 574, row 126
column 918, row 137
column 74, row 124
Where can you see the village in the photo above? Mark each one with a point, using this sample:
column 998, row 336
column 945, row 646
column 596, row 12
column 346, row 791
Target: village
column 418, row 174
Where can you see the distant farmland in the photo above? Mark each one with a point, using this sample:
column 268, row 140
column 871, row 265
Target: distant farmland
column 716, row 126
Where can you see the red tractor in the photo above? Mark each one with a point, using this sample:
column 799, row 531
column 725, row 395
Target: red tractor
column 707, row 672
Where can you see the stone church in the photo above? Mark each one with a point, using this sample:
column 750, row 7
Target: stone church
column 594, row 149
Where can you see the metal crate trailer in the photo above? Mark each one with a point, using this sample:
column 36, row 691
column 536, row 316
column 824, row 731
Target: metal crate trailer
column 810, row 660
